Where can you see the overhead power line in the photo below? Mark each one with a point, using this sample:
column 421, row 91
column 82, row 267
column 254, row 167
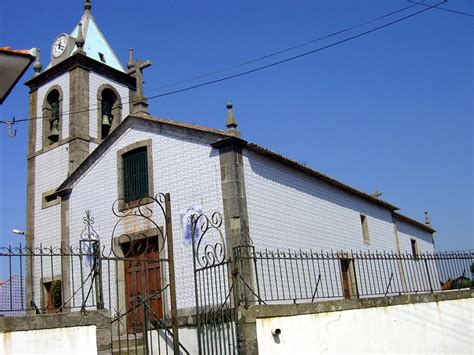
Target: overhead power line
column 251, row 61
column 304, row 54
column 296, row 56
column 442, row 8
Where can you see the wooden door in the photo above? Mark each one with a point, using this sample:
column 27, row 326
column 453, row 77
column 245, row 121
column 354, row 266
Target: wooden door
column 346, row 286
column 143, row 282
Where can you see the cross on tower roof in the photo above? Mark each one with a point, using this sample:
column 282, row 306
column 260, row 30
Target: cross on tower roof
column 87, row 5
column 140, row 103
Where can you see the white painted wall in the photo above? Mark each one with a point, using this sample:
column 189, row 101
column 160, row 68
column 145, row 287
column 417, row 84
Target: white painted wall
column 423, row 328
column 188, row 170
column 74, row 340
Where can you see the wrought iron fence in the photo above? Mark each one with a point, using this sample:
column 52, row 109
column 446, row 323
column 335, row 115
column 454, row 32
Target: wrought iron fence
column 70, row 279
column 129, row 274
column 286, row 276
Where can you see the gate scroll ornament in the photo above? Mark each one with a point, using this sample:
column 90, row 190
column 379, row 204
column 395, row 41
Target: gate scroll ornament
column 146, row 212
column 215, row 313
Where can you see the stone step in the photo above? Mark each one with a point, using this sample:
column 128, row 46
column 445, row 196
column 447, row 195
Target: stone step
column 139, row 350
column 127, row 341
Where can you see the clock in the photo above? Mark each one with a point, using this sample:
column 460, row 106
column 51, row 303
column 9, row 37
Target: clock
column 59, row 45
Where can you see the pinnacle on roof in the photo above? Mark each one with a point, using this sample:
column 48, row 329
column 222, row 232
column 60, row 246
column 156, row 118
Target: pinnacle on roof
column 88, row 37
column 231, row 122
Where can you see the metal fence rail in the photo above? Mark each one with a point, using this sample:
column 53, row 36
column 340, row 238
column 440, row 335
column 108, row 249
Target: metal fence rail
column 286, row 276
column 130, row 274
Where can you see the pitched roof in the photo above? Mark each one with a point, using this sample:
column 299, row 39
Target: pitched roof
column 218, row 135
column 111, row 138
column 95, row 43
column 13, row 64
column 314, row 173
column 413, row 222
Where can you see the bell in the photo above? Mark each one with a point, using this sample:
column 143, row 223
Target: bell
column 107, row 120
column 54, row 135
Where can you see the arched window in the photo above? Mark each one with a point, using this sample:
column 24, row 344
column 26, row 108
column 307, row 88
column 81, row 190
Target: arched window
column 109, row 115
column 52, row 117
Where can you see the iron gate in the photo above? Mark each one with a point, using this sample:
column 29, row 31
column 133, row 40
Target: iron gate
column 131, row 274
column 215, row 309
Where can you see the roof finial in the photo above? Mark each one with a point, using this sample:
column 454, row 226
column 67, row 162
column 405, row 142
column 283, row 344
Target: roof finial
column 427, row 219
column 80, row 38
column 87, row 5
column 37, row 66
column 140, row 103
column 230, row 121
column 130, row 63
column 377, row 194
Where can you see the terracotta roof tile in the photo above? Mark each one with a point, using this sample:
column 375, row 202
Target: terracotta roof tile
column 25, row 52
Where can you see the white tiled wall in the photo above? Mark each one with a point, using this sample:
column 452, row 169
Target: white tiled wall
column 51, row 170
column 288, row 209
column 188, row 170
column 406, row 232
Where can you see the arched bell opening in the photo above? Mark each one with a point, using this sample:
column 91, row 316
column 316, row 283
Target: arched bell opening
column 110, row 109
column 52, row 120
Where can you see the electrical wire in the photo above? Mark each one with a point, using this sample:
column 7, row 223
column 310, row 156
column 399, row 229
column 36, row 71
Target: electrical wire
column 304, row 54
column 442, row 8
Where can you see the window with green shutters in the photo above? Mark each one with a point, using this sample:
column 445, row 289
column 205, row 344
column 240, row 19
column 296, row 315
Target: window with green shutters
column 135, row 174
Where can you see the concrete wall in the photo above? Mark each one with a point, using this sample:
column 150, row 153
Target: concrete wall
column 413, row 326
column 75, row 340
column 72, row 333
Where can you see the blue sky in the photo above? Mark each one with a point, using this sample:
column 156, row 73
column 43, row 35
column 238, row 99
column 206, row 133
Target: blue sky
column 391, row 111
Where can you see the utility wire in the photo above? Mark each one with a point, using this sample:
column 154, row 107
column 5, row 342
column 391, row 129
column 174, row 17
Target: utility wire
column 229, row 77
column 94, row 106
column 296, row 56
column 442, row 8
column 289, row 48
column 245, row 63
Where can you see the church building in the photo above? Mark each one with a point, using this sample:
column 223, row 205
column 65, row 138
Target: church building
column 97, row 147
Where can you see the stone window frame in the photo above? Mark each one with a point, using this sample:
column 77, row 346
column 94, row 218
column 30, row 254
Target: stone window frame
column 117, row 111
column 49, row 199
column 364, row 222
column 122, row 204
column 414, row 248
column 46, row 115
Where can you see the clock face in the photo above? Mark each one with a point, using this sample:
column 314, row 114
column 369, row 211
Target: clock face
column 59, row 46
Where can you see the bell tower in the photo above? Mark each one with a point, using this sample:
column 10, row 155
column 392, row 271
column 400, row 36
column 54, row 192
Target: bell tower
column 81, row 96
